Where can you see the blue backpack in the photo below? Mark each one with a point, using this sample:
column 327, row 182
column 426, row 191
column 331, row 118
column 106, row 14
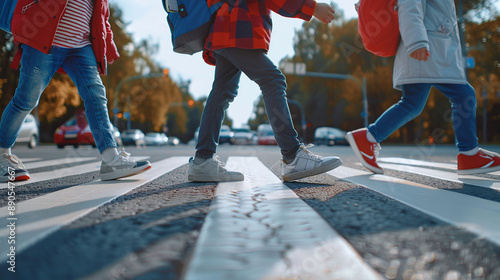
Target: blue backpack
column 189, row 22
column 6, row 11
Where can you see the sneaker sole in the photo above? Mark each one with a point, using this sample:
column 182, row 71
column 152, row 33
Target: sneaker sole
column 358, row 155
column 312, row 172
column 478, row 170
column 211, row 178
column 124, row 173
column 19, row 177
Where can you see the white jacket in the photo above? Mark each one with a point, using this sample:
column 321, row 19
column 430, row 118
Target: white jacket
column 431, row 24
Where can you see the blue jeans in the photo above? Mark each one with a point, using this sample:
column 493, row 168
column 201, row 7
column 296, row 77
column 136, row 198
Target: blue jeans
column 463, row 106
column 37, row 69
column 230, row 63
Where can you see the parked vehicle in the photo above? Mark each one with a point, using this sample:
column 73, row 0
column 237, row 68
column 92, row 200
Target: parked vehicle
column 329, row 136
column 173, row 141
column 265, row 135
column 243, row 136
column 133, row 137
column 117, row 136
column 74, row 132
column 226, row 135
column 156, row 139
column 29, row 132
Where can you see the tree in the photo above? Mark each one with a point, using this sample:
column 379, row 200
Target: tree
column 337, row 48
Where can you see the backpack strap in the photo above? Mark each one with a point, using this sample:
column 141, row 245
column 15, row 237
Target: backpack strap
column 17, row 58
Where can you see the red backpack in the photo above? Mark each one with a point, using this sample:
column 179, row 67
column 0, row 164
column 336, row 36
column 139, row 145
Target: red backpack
column 378, row 26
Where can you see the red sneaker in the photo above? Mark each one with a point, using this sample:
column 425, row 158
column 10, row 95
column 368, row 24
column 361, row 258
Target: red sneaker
column 364, row 150
column 482, row 162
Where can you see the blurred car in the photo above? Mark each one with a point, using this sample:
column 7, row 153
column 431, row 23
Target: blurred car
column 74, row 132
column 155, row 139
column 29, row 132
column 133, row 137
column 226, row 135
column 243, row 136
column 196, row 133
column 173, row 141
column 117, row 136
column 329, row 136
column 265, row 135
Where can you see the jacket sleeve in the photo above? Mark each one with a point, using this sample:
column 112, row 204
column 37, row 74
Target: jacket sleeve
column 303, row 9
column 111, row 49
column 411, row 24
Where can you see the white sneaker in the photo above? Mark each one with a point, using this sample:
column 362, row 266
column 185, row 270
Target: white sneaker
column 12, row 169
column 308, row 164
column 212, row 170
column 123, row 166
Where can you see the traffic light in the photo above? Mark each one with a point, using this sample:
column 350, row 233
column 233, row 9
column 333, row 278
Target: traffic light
column 119, row 115
column 191, row 103
column 166, row 71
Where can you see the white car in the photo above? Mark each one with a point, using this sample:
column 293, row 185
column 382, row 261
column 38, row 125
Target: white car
column 29, row 132
column 156, row 139
column 243, row 136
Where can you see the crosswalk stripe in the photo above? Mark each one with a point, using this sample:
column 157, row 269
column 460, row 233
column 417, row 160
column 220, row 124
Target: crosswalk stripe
column 476, row 215
column 52, row 162
column 415, row 162
column 62, row 172
column 25, row 160
column 38, row 217
column 259, row 229
column 447, row 176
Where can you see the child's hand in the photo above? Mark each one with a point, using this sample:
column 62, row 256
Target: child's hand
column 420, row 54
column 324, row 12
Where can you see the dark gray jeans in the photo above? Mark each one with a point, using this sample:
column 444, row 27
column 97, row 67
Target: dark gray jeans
column 259, row 68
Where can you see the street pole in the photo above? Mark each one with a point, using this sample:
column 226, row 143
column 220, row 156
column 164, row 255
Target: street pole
column 362, row 85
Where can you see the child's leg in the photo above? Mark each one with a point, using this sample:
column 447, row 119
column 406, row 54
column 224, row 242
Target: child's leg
column 37, row 69
column 463, row 105
column 224, row 90
column 260, row 69
column 409, row 107
column 80, row 64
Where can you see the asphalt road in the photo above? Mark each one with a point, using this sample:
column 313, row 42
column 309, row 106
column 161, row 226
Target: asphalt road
column 151, row 231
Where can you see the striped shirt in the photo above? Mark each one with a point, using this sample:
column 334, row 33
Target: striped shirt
column 73, row 30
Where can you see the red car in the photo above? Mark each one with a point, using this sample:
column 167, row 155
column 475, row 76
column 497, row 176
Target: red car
column 265, row 135
column 77, row 132
column 74, row 132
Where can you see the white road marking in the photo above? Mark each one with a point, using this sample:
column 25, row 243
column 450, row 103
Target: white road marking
column 476, row 215
column 62, row 172
column 447, row 176
column 39, row 217
column 259, row 229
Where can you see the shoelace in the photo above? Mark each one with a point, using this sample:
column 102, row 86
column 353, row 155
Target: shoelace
column 124, row 156
column 309, row 154
column 219, row 163
column 489, row 153
column 14, row 160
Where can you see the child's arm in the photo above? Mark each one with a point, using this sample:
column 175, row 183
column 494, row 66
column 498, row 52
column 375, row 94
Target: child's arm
column 411, row 26
column 303, row 9
column 324, row 12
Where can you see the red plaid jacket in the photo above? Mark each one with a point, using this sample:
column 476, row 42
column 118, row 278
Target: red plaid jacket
column 246, row 24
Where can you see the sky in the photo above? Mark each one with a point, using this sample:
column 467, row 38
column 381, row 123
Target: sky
column 146, row 19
